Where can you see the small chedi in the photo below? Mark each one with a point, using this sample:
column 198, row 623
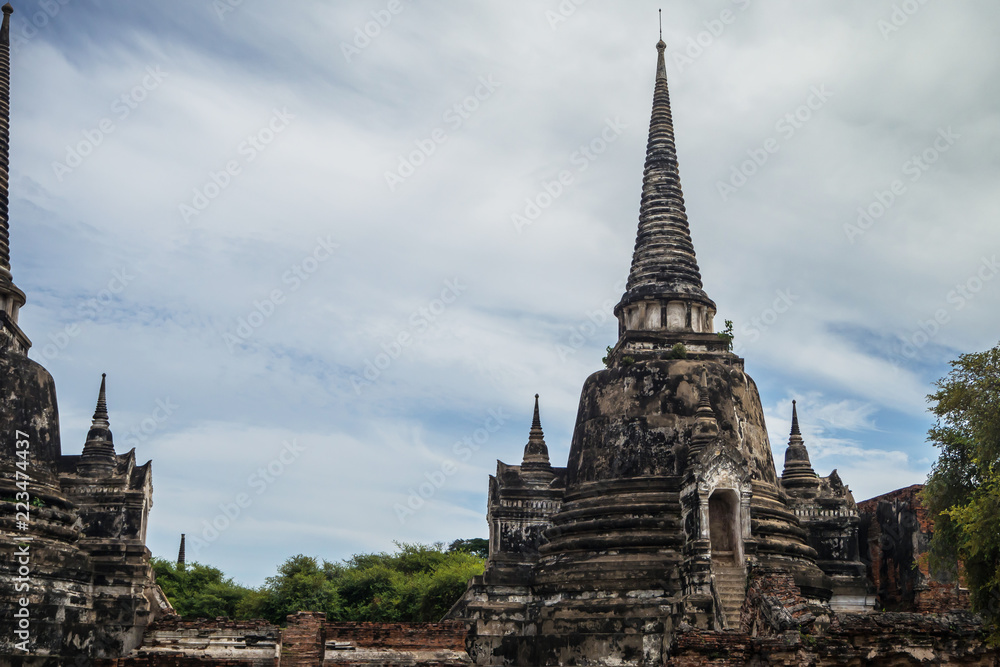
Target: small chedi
column 669, row 538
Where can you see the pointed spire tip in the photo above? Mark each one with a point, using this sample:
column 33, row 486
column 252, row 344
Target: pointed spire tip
column 661, row 45
column 535, row 452
column 8, row 9
column 795, row 420
column 102, row 400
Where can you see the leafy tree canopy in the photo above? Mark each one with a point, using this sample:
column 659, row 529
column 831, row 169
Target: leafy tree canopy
column 963, row 489
column 417, row 583
column 198, row 591
column 477, row 546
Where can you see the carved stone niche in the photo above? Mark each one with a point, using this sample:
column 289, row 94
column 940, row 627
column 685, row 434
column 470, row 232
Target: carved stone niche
column 724, row 491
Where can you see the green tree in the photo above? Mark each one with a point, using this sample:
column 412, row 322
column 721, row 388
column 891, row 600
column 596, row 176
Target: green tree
column 477, row 546
column 198, row 591
column 300, row 585
column 416, row 583
column 963, row 489
column 446, row 585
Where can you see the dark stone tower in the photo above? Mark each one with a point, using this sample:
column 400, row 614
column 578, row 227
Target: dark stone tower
column 670, row 492
column 75, row 579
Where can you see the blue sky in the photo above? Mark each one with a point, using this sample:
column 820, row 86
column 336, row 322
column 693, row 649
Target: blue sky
column 201, row 209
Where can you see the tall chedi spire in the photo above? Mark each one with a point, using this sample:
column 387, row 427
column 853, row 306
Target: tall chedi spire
column 11, row 298
column 664, row 295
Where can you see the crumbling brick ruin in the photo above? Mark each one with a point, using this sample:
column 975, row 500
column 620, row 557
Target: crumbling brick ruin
column 308, row 640
column 895, row 536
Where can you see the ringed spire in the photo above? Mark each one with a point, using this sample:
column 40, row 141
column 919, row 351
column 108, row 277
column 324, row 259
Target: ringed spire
column 11, row 298
column 664, row 292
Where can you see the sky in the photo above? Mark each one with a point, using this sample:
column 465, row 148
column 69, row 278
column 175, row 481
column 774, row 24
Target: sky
column 328, row 252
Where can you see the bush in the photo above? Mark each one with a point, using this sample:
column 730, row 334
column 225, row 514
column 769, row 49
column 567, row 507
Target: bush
column 198, row 591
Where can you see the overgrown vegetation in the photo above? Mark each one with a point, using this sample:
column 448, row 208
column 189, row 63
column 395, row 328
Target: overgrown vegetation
column 417, row 583
column 963, row 489
column 727, row 334
column 198, row 591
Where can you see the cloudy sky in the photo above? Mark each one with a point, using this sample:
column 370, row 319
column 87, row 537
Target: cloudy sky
column 322, row 251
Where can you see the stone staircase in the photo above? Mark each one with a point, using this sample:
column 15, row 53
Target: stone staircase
column 730, row 582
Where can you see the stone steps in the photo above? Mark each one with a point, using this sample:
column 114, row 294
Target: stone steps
column 730, row 583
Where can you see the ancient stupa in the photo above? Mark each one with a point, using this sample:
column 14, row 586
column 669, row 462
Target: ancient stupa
column 670, row 493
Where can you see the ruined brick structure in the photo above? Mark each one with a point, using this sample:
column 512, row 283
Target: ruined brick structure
column 895, row 538
column 75, row 578
column 308, row 640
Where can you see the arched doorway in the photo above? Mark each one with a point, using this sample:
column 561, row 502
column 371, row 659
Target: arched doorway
column 724, row 524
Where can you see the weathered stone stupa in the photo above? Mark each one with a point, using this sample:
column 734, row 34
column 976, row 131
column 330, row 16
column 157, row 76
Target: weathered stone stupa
column 670, row 493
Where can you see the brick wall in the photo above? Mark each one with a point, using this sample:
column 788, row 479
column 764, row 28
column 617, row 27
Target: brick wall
column 172, row 642
column 303, row 640
column 428, row 636
column 853, row 640
column 204, row 642
column 895, row 533
column 206, row 624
